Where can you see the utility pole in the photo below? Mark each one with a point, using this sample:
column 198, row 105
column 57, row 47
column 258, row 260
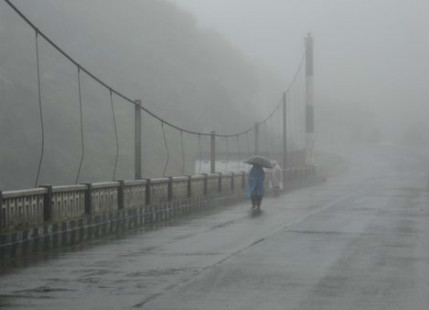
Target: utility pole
column 309, row 104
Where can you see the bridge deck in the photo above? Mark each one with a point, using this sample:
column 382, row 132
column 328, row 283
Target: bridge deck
column 358, row 241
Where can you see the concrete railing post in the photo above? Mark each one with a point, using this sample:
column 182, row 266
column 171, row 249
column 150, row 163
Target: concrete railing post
column 170, row 189
column 205, row 183
column 219, row 184
column 148, row 192
column 88, row 199
column 47, row 203
column 121, row 195
column 189, row 187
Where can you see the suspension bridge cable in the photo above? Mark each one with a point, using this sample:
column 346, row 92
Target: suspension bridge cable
column 82, row 142
column 273, row 112
column 301, row 63
column 39, row 89
column 118, row 93
column 166, row 149
column 292, row 83
column 300, row 66
column 93, row 76
column 116, row 134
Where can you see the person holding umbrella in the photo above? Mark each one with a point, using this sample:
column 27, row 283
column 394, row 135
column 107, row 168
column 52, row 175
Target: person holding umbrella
column 255, row 189
column 256, row 185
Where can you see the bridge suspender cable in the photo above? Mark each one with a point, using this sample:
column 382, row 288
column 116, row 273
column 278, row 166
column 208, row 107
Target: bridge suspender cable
column 166, row 149
column 294, row 133
column 82, row 141
column 39, row 90
column 116, row 134
column 119, row 94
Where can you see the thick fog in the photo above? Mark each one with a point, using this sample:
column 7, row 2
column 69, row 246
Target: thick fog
column 371, row 56
column 203, row 65
column 152, row 50
column 329, row 215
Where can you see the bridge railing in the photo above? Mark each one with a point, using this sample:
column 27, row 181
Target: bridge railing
column 51, row 216
column 22, row 208
column 157, row 198
column 66, row 202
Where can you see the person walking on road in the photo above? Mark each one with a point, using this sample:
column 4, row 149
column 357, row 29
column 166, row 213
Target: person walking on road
column 256, row 185
column 276, row 178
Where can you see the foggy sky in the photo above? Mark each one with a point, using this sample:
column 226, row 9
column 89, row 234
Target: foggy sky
column 368, row 53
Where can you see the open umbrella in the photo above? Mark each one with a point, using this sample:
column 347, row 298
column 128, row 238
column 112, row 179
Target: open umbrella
column 259, row 160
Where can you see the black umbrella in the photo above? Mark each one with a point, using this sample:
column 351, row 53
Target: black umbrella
column 259, row 160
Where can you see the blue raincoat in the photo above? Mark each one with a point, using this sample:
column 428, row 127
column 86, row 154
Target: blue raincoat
column 256, row 181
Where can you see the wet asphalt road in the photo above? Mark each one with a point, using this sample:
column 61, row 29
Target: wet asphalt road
column 358, row 241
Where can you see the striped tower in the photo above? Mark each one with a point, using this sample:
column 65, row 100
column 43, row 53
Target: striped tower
column 309, row 107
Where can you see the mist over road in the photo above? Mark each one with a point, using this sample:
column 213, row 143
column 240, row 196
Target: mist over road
column 358, row 241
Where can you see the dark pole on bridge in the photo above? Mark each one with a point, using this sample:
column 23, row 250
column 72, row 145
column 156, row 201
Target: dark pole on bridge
column 213, row 152
column 284, row 137
column 138, row 141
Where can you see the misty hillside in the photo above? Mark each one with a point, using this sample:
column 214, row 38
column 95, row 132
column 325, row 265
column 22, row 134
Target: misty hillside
column 149, row 50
